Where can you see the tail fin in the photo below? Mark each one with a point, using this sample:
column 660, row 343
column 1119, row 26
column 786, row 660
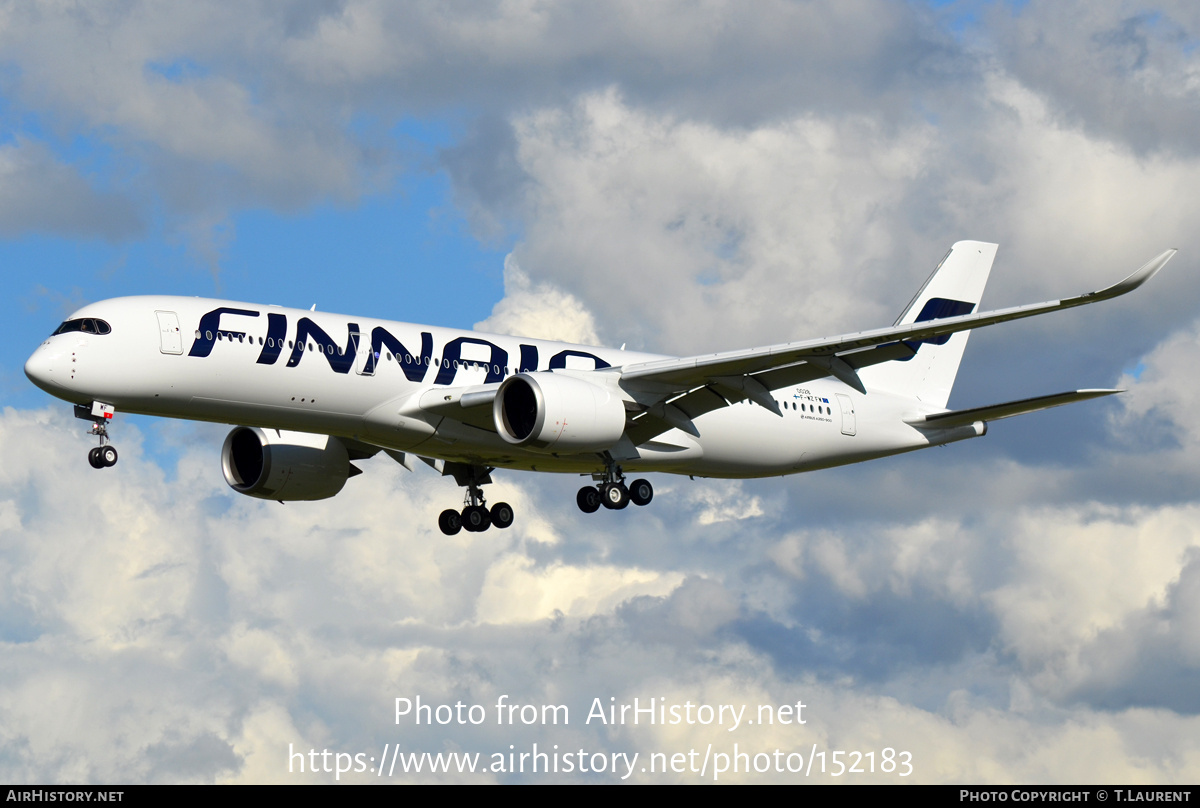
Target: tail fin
column 954, row 288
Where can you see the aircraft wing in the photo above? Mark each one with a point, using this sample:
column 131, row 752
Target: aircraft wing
column 675, row 391
column 692, row 371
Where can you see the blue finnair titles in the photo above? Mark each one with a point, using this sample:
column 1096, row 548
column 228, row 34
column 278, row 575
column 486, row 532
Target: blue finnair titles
column 341, row 358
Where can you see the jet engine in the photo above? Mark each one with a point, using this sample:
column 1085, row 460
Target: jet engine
column 270, row 464
column 553, row 412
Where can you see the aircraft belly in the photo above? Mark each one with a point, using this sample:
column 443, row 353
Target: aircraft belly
column 746, row 440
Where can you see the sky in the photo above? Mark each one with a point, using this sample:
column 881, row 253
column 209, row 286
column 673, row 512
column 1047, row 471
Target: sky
column 680, row 177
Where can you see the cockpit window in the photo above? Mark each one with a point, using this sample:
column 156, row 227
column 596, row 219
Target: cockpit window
column 88, row 325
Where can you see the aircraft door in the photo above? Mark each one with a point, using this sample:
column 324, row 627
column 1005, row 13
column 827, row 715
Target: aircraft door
column 170, row 341
column 846, row 405
column 364, row 362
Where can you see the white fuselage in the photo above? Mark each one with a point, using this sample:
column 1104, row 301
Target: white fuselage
column 362, row 379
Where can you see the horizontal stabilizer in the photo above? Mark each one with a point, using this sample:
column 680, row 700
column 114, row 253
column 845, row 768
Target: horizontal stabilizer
column 954, row 418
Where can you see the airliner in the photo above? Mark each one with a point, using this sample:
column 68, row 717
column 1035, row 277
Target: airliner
column 309, row 393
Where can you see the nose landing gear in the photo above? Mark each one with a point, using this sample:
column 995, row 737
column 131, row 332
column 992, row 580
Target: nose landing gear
column 105, row 454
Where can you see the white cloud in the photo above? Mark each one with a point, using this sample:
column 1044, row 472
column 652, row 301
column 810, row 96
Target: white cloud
column 514, row 591
column 1163, row 395
column 43, row 195
column 1081, row 571
column 211, row 109
column 1132, row 78
column 688, row 236
column 538, row 310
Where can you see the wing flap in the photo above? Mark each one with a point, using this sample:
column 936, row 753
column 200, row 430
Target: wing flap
column 664, row 417
column 705, row 399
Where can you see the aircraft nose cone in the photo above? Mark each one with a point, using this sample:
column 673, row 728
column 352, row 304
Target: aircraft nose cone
column 40, row 369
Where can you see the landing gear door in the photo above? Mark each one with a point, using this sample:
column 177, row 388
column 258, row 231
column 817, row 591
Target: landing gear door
column 170, row 341
column 847, row 407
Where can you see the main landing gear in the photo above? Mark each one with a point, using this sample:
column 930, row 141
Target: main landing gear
column 612, row 493
column 475, row 516
column 105, row 454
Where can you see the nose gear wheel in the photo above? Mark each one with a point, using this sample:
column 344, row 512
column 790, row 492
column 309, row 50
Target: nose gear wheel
column 105, row 454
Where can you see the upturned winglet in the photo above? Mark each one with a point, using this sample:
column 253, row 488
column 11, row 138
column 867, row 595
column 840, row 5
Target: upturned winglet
column 1139, row 276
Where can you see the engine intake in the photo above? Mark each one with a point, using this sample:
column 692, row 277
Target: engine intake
column 287, row 466
column 552, row 412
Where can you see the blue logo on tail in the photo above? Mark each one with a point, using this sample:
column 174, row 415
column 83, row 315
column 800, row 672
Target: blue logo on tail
column 937, row 308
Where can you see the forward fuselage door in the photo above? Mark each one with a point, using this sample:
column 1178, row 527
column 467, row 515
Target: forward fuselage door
column 170, row 341
column 364, row 360
column 847, row 408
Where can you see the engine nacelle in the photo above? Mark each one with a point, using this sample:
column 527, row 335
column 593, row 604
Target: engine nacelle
column 285, row 466
column 553, row 412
